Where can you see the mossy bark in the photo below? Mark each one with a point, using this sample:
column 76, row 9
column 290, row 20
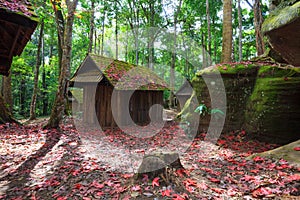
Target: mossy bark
column 5, row 115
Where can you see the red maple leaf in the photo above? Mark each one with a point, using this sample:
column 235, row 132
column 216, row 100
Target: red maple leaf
column 166, row 193
column 177, row 197
column 218, row 190
column 261, row 192
column 97, row 185
column 258, row 159
column 297, row 148
column 214, row 180
column 155, row 182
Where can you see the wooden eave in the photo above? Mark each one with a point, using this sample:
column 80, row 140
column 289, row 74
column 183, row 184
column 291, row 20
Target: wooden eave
column 15, row 31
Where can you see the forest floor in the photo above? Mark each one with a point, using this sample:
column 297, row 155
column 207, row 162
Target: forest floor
column 65, row 164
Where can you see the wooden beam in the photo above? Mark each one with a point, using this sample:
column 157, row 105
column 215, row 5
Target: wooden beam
column 15, row 42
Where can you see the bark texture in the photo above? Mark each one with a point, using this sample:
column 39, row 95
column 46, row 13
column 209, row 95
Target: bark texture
column 227, row 31
column 59, row 103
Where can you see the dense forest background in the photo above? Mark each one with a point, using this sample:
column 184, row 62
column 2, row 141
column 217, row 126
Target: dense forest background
column 109, row 28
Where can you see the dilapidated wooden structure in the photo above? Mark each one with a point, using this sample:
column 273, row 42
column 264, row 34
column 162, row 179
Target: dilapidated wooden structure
column 134, row 89
column 17, row 23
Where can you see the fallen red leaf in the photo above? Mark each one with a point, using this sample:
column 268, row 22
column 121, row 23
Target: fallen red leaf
column 218, row 190
column 297, row 148
column 214, row 180
column 261, row 192
column 166, row 193
column 155, row 182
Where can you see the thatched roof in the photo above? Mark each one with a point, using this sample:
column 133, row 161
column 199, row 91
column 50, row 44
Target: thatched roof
column 121, row 75
column 283, row 30
column 17, row 23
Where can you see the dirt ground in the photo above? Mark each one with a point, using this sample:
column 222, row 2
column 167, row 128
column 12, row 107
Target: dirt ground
column 75, row 164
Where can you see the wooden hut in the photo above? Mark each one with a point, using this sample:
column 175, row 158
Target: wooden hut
column 183, row 94
column 17, row 23
column 135, row 90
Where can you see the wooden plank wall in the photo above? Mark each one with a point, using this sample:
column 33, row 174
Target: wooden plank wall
column 103, row 106
column 138, row 107
column 89, row 114
column 140, row 104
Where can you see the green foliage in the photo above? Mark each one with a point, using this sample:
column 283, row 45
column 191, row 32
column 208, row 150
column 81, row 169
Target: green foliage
column 191, row 36
column 203, row 110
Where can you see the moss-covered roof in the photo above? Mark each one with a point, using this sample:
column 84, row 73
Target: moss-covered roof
column 120, row 74
column 281, row 17
column 20, row 7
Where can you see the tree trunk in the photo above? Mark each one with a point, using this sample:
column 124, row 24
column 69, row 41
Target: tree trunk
column 240, row 30
column 45, row 73
column 173, row 58
column 117, row 30
column 36, row 75
column 227, row 31
column 5, row 115
column 102, row 36
column 204, row 52
column 6, row 92
column 22, row 96
column 208, row 32
column 258, row 21
column 59, row 103
column 92, row 25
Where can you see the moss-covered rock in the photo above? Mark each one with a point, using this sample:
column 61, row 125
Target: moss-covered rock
column 273, row 108
column 261, row 99
column 238, row 80
column 282, row 30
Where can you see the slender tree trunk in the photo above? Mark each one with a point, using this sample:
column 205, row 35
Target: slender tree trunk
column 151, row 35
column 92, row 19
column 240, row 30
column 60, row 26
column 59, row 103
column 95, row 41
column 6, row 92
column 103, row 31
column 173, row 58
column 22, row 96
column 258, row 21
column 227, row 31
column 208, row 31
column 117, row 29
column 36, row 75
column 204, row 52
column 137, row 35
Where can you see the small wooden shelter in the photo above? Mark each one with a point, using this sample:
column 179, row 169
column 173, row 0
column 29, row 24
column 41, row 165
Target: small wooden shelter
column 183, row 94
column 17, row 23
column 134, row 88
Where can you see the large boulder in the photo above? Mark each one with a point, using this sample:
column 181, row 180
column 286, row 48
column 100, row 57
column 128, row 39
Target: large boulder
column 262, row 99
column 283, row 32
column 273, row 108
